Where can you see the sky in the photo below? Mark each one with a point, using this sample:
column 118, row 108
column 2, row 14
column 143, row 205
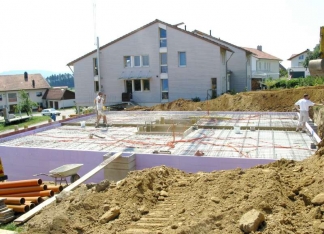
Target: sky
column 48, row 34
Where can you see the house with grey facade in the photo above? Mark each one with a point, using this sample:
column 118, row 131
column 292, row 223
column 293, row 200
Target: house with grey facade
column 264, row 66
column 238, row 64
column 154, row 64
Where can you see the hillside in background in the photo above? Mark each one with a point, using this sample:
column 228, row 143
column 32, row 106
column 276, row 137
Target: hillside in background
column 61, row 80
column 43, row 72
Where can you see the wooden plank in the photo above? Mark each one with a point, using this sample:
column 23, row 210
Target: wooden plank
column 23, row 218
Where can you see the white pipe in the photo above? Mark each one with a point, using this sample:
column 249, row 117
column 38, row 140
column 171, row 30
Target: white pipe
column 98, row 63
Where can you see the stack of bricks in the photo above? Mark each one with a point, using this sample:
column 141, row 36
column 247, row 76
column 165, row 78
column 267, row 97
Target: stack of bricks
column 6, row 214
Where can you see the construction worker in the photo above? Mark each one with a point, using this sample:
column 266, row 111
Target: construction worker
column 302, row 105
column 99, row 101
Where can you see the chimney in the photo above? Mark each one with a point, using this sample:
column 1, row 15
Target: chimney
column 259, row 47
column 185, row 27
column 209, row 32
column 26, row 76
column 33, row 83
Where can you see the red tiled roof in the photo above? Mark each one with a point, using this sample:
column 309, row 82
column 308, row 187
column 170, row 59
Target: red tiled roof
column 262, row 55
column 58, row 94
column 18, row 82
column 55, row 94
column 218, row 39
column 143, row 27
column 295, row 55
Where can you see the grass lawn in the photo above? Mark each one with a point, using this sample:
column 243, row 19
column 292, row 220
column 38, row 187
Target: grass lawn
column 33, row 120
column 11, row 227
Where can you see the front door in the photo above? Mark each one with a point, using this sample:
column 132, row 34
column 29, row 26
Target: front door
column 213, row 88
column 129, row 87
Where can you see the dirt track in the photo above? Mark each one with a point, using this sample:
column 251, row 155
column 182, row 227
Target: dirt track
column 166, row 200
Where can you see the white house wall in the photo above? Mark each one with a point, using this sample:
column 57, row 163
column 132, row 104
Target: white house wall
column 32, row 95
column 297, row 64
column 240, row 78
column 203, row 63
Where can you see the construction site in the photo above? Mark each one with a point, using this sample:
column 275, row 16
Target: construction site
column 177, row 171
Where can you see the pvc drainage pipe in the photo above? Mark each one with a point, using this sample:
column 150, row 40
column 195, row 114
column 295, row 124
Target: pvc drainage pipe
column 19, row 208
column 21, row 183
column 23, row 189
column 14, row 200
column 46, row 193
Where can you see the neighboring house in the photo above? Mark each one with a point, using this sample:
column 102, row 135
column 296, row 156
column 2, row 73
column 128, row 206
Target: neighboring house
column 59, row 97
column 296, row 69
column 238, row 64
column 264, row 66
column 154, row 64
column 10, row 85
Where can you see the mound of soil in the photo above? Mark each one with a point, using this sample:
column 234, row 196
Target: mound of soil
column 167, row 200
column 282, row 100
column 287, row 195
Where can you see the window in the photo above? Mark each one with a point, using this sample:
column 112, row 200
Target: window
column 96, row 86
column 223, row 57
column 301, row 57
column 163, row 36
column 12, row 97
column 137, row 61
column 0, row 97
column 137, row 85
column 165, row 89
column 145, row 60
column 164, row 63
column 182, row 59
column 38, row 94
column 95, row 67
column 146, row 85
column 127, row 61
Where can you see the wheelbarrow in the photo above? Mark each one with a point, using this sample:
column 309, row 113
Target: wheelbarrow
column 61, row 173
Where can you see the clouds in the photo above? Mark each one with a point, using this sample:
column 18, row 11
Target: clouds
column 48, row 34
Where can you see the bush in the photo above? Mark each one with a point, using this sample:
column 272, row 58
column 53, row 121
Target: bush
column 196, row 99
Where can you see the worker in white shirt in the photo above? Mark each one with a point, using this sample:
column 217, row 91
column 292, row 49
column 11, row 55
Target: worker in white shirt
column 302, row 105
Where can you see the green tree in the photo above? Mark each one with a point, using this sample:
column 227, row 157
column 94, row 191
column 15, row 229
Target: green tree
column 25, row 104
column 315, row 54
column 269, row 82
column 283, row 73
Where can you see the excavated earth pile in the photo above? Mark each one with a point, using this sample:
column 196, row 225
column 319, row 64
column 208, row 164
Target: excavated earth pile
column 285, row 197
column 289, row 195
column 282, row 100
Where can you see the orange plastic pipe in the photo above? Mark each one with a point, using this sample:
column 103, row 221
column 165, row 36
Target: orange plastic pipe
column 30, row 204
column 21, row 183
column 55, row 188
column 35, row 200
column 19, row 208
column 23, row 189
column 14, row 200
column 45, row 193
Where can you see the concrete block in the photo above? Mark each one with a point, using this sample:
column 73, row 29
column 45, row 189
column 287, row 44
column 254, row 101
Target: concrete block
column 119, row 168
column 116, row 174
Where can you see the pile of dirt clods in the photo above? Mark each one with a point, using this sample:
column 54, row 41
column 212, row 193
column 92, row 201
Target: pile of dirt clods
column 285, row 197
